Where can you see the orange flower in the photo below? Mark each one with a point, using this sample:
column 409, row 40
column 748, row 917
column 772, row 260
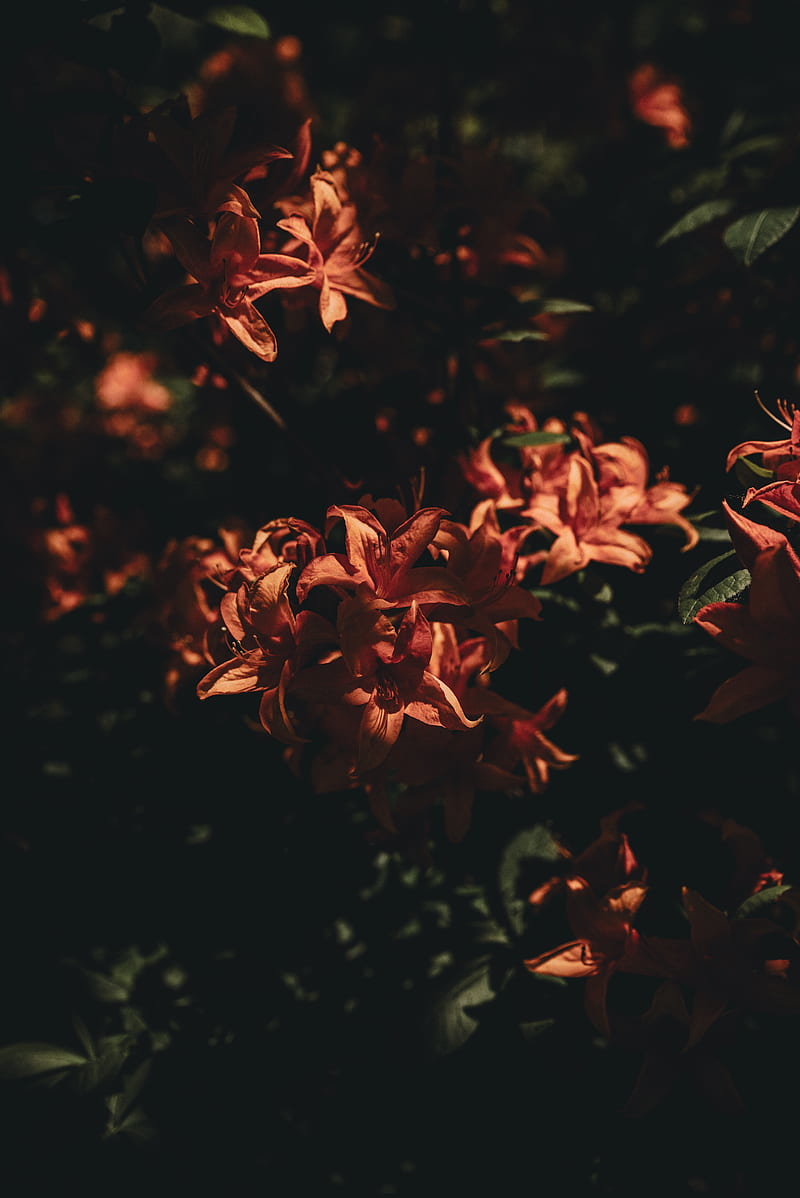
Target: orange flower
column 782, row 457
column 656, row 101
column 585, row 526
column 606, row 942
column 384, row 670
column 199, row 161
column 336, row 252
column 382, row 559
column 231, row 274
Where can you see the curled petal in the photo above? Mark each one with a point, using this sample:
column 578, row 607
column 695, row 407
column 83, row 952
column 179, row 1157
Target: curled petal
column 249, row 673
column 380, row 727
column 249, row 326
column 434, row 703
column 567, row 961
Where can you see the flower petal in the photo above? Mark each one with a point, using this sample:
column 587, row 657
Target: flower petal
column 249, row 326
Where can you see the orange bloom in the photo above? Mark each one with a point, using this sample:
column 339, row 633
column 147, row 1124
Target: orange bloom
column 782, row 457
column 659, row 102
column 606, row 941
column 586, row 527
column 336, row 252
column 384, row 671
column 766, row 630
column 382, row 560
column 199, row 161
column 231, row 275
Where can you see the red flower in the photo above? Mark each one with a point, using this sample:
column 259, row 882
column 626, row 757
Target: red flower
column 766, row 630
column 231, row 275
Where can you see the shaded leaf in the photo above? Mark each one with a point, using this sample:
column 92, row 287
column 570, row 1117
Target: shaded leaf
column 519, row 440
column 519, row 335
column 30, row 1059
column 748, row 237
column 533, row 1030
column 561, row 307
column 690, row 600
column 121, row 1104
column 453, row 1016
column 703, row 214
column 757, row 902
column 749, row 473
column 530, row 844
column 240, row 19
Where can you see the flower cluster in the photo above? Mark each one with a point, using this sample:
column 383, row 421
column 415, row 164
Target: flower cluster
column 372, row 648
column 765, row 628
column 214, row 229
column 727, row 965
column 580, row 492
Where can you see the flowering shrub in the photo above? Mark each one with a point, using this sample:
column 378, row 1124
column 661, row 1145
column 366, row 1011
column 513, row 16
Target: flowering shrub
column 496, row 787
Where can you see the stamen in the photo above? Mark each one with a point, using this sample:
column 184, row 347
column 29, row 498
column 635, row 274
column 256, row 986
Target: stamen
column 781, row 408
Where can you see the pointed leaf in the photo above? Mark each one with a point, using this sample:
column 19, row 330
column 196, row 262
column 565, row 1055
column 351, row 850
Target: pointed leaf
column 30, row 1059
column 756, row 903
column 748, row 237
column 690, row 598
column 561, row 307
column 453, row 1017
column 703, row 214
column 518, row 335
column 535, row 437
column 240, row 19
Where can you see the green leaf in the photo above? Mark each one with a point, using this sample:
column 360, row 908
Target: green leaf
column 757, row 902
column 561, row 307
column 535, row 844
column 30, row 1059
column 690, row 601
column 535, row 1028
column 121, row 1104
column 240, row 19
column 752, row 145
column 703, row 214
column 519, row 440
column 748, row 237
column 453, row 1017
column 749, row 474
column 518, row 335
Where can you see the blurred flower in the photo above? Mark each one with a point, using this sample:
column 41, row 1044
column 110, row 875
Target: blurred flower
column 657, row 101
